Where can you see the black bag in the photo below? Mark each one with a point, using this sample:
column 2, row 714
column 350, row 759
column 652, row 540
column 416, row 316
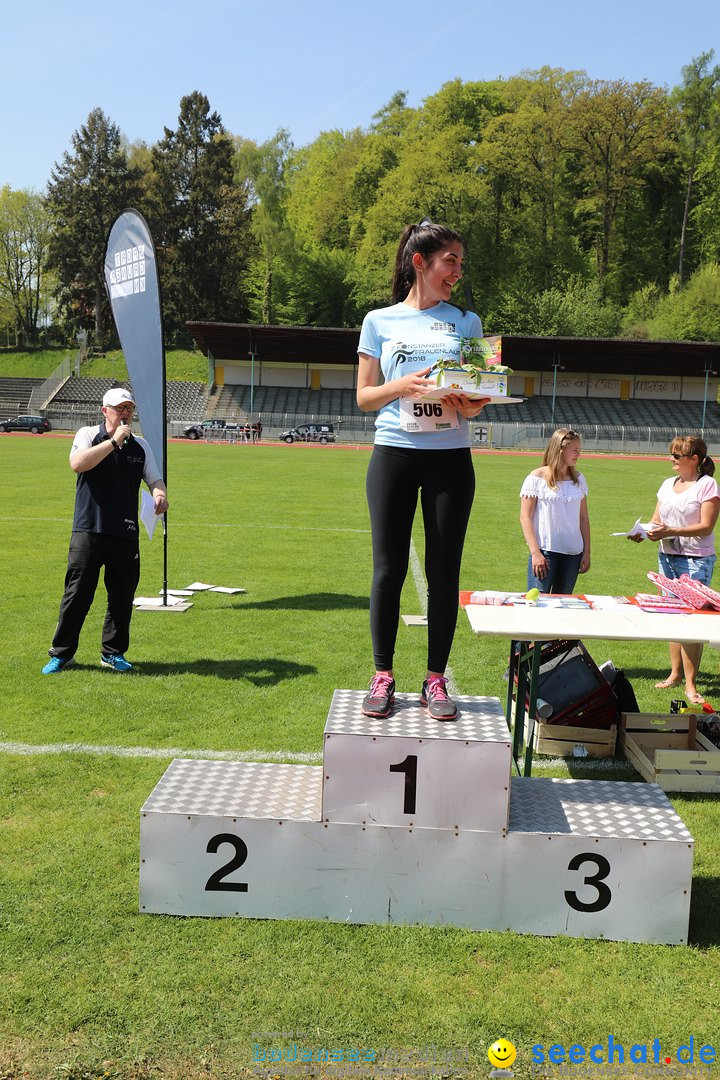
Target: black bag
column 622, row 688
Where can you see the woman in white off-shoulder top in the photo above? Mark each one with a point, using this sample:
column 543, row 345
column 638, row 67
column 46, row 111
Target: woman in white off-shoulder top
column 554, row 517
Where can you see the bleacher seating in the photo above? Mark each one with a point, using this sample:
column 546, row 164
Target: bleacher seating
column 190, row 401
column 185, row 400
column 82, row 392
column 15, row 395
column 585, row 411
column 569, row 411
column 287, row 400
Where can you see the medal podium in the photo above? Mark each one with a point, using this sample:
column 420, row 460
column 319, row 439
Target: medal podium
column 412, row 821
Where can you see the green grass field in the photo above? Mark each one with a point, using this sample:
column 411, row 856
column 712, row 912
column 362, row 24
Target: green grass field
column 181, row 364
column 88, row 987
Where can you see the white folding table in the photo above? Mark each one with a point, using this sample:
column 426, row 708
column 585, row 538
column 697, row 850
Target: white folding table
column 527, row 626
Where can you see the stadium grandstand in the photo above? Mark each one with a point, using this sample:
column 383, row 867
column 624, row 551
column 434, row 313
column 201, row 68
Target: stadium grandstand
column 616, row 391
column 620, row 394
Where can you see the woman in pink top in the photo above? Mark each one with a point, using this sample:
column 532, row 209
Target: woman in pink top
column 684, row 519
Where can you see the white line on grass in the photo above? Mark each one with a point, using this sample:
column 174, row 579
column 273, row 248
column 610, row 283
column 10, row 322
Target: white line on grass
column 283, row 756
column 220, row 525
column 159, row 752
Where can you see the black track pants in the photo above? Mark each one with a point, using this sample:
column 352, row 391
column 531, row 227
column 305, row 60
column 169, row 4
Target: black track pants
column 446, row 482
column 89, row 552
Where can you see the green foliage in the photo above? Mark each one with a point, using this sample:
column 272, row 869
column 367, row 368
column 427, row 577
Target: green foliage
column 705, row 216
column 699, row 102
column 24, row 282
column 570, row 193
column 691, row 313
column 86, row 192
column 618, row 132
column 579, row 310
column 640, row 310
column 263, row 170
column 199, row 219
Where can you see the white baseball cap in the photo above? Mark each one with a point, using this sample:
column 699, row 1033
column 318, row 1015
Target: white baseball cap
column 118, row 396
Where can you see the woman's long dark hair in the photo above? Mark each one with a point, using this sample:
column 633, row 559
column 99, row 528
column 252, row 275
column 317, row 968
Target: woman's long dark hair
column 427, row 238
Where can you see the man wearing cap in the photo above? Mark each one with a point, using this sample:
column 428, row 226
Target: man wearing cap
column 110, row 463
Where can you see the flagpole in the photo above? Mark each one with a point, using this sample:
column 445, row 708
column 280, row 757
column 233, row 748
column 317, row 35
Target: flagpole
column 164, row 440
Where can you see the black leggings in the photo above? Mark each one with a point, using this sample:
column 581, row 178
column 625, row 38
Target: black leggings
column 446, row 481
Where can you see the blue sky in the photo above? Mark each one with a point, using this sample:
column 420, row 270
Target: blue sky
column 308, row 67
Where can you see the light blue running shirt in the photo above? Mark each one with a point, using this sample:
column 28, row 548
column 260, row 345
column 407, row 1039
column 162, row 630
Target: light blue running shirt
column 404, row 339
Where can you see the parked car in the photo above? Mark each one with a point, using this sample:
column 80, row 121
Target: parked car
column 198, row 430
column 36, row 424
column 322, row 433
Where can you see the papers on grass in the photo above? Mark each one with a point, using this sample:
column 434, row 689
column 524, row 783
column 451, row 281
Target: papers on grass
column 639, row 529
column 200, row 586
column 157, row 601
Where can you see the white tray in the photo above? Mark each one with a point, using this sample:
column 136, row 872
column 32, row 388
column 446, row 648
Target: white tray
column 498, row 399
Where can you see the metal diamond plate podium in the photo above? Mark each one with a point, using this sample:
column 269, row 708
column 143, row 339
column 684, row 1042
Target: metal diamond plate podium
column 411, row 821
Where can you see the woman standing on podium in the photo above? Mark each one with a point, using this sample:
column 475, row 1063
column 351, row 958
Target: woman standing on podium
column 416, row 453
column 554, row 517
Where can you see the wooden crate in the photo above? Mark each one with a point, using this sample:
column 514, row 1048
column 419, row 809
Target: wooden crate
column 667, row 749
column 563, row 740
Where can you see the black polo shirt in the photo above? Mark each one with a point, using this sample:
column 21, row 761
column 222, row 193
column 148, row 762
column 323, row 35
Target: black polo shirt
column 106, row 497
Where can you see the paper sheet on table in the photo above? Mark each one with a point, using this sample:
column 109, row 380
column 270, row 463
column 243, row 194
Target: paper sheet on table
column 602, row 602
column 638, row 529
column 147, row 512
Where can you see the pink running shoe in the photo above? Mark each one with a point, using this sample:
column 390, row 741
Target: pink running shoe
column 381, row 696
column 434, row 694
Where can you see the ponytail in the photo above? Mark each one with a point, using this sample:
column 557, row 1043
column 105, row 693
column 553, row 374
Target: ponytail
column 694, row 446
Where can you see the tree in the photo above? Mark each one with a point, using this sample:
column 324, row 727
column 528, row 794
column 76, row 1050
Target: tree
column 619, row 131
column 24, row 243
column 524, row 156
column 690, row 313
column 200, row 219
column 86, row 192
column 706, row 213
column 264, row 170
column 696, row 98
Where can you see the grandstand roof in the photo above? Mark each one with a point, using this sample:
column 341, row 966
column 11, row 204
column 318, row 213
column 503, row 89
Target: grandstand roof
column 290, row 344
column 617, row 355
column 332, row 345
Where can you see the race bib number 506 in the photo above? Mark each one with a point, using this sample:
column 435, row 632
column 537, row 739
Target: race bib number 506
column 426, row 416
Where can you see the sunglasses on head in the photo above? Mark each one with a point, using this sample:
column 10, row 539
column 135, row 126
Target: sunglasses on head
column 570, row 437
